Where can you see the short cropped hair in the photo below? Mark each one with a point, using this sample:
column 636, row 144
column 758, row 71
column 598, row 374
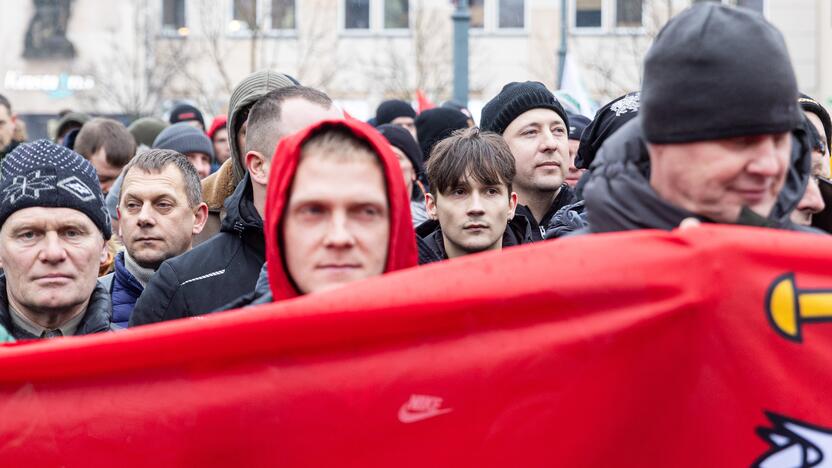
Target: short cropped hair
column 337, row 143
column 109, row 134
column 154, row 161
column 470, row 152
column 5, row 103
column 263, row 131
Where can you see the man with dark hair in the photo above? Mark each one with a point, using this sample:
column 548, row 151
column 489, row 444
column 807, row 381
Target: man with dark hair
column 7, row 126
column 228, row 264
column 409, row 154
column 53, row 231
column 716, row 153
column 471, row 202
column 577, row 124
column 397, row 112
column 536, row 129
column 108, row 145
column 160, row 211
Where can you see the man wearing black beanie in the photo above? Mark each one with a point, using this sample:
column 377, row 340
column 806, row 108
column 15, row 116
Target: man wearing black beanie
column 397, row 112
column 719, row 134
column 536, row 128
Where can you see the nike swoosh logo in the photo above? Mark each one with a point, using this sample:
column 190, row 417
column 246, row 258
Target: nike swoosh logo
column 407, row 416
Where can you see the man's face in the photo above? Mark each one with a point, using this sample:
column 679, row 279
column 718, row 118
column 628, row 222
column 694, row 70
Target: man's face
column 107, row 173
column 812, row 201
column 473, row 215
column 201, row 162
column 717, row 178
column 221, row 149
column 337, row 224
column 6, row 127
column 155, row 221
column 538, row 139
column 408, row 123
column 574, row 174
column 407, row 169
column 822, row 132
column 51, row 258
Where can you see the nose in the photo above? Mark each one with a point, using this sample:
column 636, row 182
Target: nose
column 475, row 207
column 53, row 250
column 145, row 217
column 549, row 141
column 766, row 161
column 812, row 200
column 338, row 234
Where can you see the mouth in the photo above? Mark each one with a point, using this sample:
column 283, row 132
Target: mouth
column 54, row 277
column 147, row 239
column 549, row 164
column 338, row 266
column 475, row 227
column 753, row 196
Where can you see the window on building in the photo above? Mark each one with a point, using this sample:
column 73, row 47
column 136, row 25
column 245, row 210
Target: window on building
column 357, row 14
column 477, row 10
column 245, row 12
column 283, row 14
column 512, row 14
column 173, row 14
column 628, row 13
column 396, row 14
column 588, row 13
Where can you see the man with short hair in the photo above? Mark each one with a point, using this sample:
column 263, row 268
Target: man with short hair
column 701, row 150
column 7, row 126
column 229, row 263
column 397, row 112
column 191, row 142
column 338, row 210
column 577, row 124
column 160, row 211
column 53, row 231
column 536, row 128
column 471, row 201
column 108, row 145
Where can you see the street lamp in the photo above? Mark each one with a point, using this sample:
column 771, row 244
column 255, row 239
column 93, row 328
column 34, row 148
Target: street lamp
column 461, row 19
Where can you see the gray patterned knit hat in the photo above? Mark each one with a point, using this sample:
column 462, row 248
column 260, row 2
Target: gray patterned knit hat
column 48, row 175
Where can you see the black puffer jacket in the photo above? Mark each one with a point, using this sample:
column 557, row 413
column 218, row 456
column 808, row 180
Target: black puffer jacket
column 619, row 197
column 565, row 197
column 431, row 245
column 97, row 317
column 213, row 273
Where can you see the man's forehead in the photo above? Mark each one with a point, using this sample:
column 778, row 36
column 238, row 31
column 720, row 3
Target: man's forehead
column 539, row 116
column 140, row 180
column 325, row 175
column 47, row 216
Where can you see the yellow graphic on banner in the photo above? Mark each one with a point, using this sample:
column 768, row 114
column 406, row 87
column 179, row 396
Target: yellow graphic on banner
column 789, row 307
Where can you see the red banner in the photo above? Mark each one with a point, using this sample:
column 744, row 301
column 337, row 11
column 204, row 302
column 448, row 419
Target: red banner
column 706, row 347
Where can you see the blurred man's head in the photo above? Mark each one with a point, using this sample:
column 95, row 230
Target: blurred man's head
column 189, row 141
column 716, row 149
column 397, row 112
column 577, row 124
column 108, row 145
column 160, row 207
column 7, row 121
column 189, row 115
column 812, row 201
column 218, row 133
column 470, row 176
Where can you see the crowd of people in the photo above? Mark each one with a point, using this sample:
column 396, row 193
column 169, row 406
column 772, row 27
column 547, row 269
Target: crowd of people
column 110, row 226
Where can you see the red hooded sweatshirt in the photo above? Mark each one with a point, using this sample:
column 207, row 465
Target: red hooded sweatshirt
column 401, row 249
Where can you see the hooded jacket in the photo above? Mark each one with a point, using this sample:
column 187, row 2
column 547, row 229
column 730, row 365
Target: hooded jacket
column 431, row 244
column 211, row 274
column 401, row 248
column 97, row 317
column 565, row 197
column 217, row 187
column 619, row 196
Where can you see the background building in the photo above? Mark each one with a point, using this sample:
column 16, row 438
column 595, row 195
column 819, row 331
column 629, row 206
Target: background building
column 137, row 57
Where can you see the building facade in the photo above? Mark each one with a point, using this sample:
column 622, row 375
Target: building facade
column 137, row 57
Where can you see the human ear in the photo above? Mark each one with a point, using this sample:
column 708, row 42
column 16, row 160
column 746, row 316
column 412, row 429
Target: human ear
column 430, row 205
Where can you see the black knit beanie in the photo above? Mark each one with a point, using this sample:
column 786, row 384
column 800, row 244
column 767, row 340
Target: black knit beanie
column 387, row 111
column 577, row 124
column 717, row 72
column 43, row 174
column 403, row 140
column 186, row 112
column 515, row 99
column 434, row 125
column 607, row 120
column 811, row 105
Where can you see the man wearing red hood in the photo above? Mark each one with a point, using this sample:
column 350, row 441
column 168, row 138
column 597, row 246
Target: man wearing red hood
column 337, row 211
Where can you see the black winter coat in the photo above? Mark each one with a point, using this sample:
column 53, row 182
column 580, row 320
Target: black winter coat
column 213, row 273
column 97, row 317
column 431, row 245
column 565, row 197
